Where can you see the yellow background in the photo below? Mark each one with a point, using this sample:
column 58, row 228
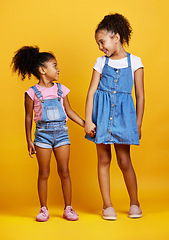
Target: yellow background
column 67, row 29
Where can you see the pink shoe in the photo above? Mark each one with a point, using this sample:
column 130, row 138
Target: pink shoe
column 70, row 214
column 43, row 215
column 135, row 212
column 109, row 214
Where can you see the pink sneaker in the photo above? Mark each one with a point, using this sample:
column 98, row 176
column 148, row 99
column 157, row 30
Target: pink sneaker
column 109, row 214
column 135, row 212
column 70, row 214
column 43, row 215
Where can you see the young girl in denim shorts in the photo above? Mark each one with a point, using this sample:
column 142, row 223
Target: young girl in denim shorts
column 51, row 106
column 110, row 113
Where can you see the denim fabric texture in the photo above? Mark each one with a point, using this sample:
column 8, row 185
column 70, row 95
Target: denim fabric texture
column 51, row 130
column 113, row 108
column 51, row 134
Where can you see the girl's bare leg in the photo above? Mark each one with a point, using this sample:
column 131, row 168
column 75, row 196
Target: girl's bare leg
column 124, row 162
column 62, row 158
column 104, row 160
column 43, row 156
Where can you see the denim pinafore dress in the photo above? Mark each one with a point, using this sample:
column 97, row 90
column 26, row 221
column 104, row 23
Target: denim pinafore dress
column 113, row 108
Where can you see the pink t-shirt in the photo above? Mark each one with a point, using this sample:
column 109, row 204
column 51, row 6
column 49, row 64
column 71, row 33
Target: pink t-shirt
column 47, row 93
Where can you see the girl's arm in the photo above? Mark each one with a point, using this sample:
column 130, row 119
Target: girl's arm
column 90, row 127
column 139, row 92
column 28, row 124
column 71, row 114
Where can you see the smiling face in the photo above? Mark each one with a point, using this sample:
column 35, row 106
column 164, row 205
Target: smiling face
column 107, row 41
column 51, row 70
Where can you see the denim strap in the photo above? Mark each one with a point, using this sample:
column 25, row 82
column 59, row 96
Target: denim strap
column 128, row 59
column 37, row 92
column 59, row 90
column 107, row 59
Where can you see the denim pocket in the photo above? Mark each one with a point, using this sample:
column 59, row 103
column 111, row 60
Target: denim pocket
column 52, row 113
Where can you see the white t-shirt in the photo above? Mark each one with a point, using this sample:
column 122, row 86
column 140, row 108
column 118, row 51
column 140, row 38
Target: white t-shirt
column 120, row 63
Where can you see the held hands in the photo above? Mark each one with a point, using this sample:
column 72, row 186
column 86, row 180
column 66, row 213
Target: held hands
column 31, row 149
column 90, row 129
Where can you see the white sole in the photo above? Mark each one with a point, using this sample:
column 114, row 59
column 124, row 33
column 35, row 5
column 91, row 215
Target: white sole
column 109, row 218
column 135, row 216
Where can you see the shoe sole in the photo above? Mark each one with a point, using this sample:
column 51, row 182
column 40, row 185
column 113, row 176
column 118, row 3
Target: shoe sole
column 135, row 216
column 38, row 220
column 70, row 219
column 109, row 218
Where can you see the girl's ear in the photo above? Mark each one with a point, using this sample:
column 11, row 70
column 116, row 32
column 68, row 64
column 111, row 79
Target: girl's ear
column 117, row 36
column 42, row 70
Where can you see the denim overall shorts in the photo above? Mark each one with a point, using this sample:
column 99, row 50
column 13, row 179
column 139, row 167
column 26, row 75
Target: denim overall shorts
column 51, row 130
column 113, row 108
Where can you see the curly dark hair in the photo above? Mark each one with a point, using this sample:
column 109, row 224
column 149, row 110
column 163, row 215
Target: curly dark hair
column 28, row 59
column 116, row 23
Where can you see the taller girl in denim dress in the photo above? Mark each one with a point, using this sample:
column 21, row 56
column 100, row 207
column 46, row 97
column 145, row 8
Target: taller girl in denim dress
column 51, row 107
column 113, row 107
column 111, row 117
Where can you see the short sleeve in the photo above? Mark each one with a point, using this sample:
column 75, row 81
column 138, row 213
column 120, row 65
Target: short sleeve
column 99, row 64
column 31, row 93
column 137, row 63
column 65, row 90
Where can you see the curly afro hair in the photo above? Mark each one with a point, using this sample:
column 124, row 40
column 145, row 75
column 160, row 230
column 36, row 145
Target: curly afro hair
column 116, row 23
column 28, row 59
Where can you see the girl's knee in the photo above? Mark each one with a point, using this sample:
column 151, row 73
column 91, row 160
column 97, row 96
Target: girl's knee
column 43, row 175
column 124, row 164
column 63, row 172
column 104, row 160
column 104, row 155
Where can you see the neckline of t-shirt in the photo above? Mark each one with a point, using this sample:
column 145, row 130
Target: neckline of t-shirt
column 45, row 87
column 116, row 59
